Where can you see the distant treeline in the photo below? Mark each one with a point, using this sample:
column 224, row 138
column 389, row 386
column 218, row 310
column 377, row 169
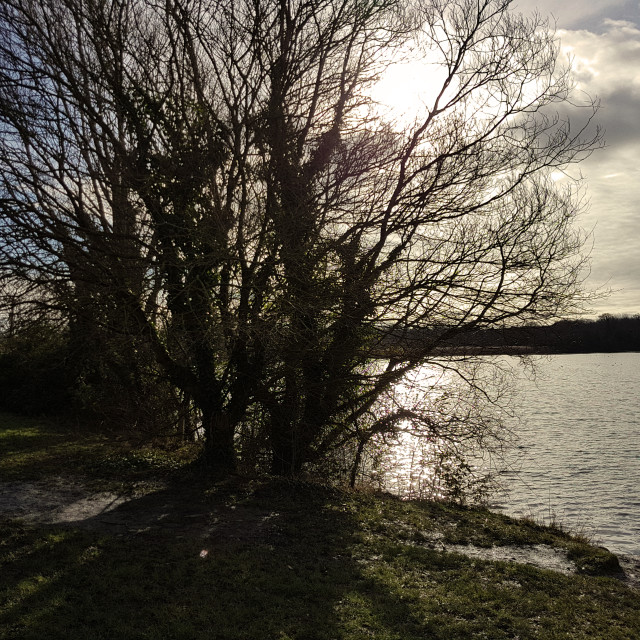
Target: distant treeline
column 606, row 334
column 42, row 371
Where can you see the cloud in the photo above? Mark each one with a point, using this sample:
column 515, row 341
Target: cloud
column 607, row 65
column 603, row 39
column 578, row 14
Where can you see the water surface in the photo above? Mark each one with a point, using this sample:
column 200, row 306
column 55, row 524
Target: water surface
column 579, row 437
column 577, row 427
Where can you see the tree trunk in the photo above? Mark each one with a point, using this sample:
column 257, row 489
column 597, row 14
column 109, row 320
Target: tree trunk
column 287, row 459
column 219, row 446
column 356, row 463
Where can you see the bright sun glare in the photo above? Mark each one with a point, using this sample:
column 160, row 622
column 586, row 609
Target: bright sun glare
column 408, row 89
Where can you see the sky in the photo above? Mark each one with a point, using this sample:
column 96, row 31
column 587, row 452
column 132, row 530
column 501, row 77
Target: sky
column 603, row 39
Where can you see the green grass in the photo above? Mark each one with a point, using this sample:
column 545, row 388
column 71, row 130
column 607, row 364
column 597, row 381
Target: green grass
column 334, row 565
column 32, row 449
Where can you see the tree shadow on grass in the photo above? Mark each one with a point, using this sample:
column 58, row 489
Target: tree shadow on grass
column 277, row 560
column 274, row 560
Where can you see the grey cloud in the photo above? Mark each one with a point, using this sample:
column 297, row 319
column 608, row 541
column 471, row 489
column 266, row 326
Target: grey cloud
column 607, row 66
column 620, row 115
column 603, row 38
column 578, row 14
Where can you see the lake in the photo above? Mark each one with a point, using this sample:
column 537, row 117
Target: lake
column 580, row 443
column 577, row 459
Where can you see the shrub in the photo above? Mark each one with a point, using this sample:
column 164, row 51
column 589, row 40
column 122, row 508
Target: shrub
column 35, row 376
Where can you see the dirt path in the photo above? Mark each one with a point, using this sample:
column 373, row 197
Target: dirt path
column 182, row 513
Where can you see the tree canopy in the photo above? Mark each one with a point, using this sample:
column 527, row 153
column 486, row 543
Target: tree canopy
column 212, row 187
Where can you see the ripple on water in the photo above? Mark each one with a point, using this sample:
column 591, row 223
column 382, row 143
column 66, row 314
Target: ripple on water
column 585, row 463
column 578, row 457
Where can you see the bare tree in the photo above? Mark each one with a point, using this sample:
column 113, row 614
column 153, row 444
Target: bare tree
column 214, row 181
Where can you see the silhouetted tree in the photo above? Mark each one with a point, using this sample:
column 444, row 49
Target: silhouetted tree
column 212, row 182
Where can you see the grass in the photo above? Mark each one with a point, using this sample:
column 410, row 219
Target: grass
column 34, row 448
column 332, row 565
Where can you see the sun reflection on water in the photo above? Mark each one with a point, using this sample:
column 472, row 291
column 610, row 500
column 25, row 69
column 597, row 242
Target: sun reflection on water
column 449, row 447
